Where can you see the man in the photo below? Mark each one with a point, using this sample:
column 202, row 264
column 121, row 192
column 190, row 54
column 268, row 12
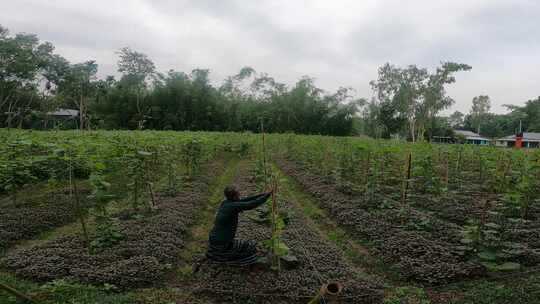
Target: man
column 222, row 245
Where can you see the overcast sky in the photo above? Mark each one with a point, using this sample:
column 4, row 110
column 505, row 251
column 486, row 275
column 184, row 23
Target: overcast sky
column 338, row 42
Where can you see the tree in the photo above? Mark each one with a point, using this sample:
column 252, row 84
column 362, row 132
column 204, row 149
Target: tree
column 435, row 99
column 78, row 86
column 22, row 59
column 456, row 120
column 417, row 96
column 532, row 110
column 479, row 110
column 403, row 88
column 136, row 68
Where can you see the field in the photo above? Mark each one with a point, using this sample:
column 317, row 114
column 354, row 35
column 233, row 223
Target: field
column 123, row 217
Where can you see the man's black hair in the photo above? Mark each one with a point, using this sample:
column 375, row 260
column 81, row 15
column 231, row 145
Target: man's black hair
column 230, row 193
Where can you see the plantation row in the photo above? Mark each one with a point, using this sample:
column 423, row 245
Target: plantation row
column 319, row 261
column 50, row 179
column 433, row 214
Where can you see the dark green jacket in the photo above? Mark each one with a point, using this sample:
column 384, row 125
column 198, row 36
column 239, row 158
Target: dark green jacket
column 226, row 220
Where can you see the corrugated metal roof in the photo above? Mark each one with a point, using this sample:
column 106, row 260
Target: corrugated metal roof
column 526, row 136
column 466, row 133
column 64, row 112
column 470, row 135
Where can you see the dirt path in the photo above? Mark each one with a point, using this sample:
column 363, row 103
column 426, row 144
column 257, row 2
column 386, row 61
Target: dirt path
column 320, row 260
column 320, row 221
column 198, row 237
column 175, row 290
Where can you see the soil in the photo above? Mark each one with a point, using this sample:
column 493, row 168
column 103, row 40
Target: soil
column 423, row 253
column 145, row 254
column 320, row 262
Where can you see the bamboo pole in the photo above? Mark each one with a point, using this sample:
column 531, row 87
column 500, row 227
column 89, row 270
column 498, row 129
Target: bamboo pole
column 407, row 179
column 17, row 293
column 81, row 216
column 405, row 185
column 273, row 205
column 75, row 193
column 264, row 153
column 274, row 216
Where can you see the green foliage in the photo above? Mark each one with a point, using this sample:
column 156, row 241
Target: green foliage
column 64, row 292
column 405, row 295
column 524, row 290
column 412, row 96
column 16, row 171
column 106, row 235
column 192, row 155
column 100, row 193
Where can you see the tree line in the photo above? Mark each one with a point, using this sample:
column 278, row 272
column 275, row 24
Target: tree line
column 407, row 102
column 34, row 81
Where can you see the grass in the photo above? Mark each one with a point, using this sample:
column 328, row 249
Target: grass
column 524, row 290
column 195, row 246
column 199, row 233
column 60, row 292
column 354, row 251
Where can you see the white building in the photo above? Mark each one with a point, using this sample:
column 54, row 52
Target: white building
column 64, row 114
column 530, row 140
column 473, row 138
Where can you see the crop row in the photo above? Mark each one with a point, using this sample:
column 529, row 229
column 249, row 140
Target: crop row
column 318, row 259
column 146, row 250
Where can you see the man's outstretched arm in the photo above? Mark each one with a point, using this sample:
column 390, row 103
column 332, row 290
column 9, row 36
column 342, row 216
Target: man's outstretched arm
column 251, row 204
column 251, row 198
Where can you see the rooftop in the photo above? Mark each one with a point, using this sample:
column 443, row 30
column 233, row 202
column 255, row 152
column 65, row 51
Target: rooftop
column 466, row 133
column 64, row 112
column 526, row 136
column 470, row 135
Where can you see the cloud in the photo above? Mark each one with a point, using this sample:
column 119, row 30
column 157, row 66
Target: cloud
column 339, row 43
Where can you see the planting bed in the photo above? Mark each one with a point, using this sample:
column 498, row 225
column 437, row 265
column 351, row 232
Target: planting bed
column 148, row 249
column 320, row 261
column 426, row 238
column 425, row 255
column 24, row 220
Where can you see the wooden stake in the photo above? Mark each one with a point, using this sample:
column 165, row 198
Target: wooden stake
column 407, row 179
column 446, row 169
column 366, row 173
column 405, row 184
column 264, row 152
column 274, row 217
column 152, row 196
column 17, row 293
column 74, row 192
column 81, row 216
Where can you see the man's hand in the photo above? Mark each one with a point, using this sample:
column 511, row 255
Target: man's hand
column 270, row 189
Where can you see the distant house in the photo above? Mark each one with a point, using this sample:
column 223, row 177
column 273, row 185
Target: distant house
column 530, row 140
column 66, row 118
column 472, row 138
column 461, row 136
column 64, row 114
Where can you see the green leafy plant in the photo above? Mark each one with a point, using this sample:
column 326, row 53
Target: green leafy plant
column 16, row 170
column 138, row 167
column 192, row 154
column 107, row 235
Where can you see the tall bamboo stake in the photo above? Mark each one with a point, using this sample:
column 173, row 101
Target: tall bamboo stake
column 273, row 205
column 264, row 152
column 405, row 185
column 16, row 293
column 81, row 215
column 74, row 192
column 274, row 228
column 446, row 169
